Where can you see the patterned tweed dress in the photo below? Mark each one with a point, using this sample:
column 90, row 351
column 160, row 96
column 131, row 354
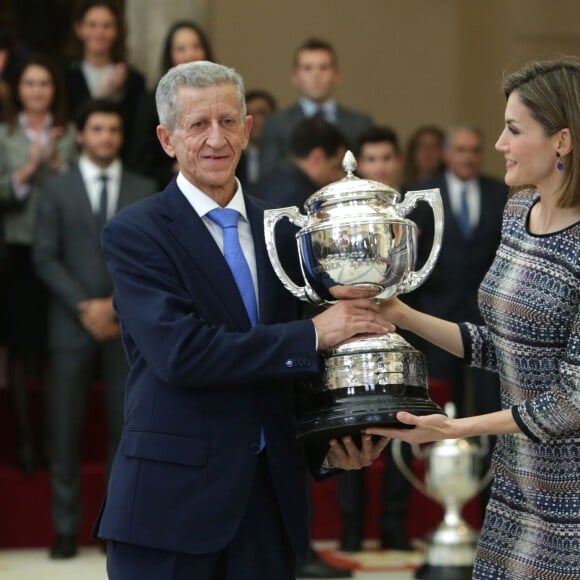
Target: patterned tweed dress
column 530, row 301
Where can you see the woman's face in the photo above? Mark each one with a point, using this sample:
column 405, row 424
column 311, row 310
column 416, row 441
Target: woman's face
column 186, row 46
column 97, row 31
column 530, row 154
column 36, row 89
column 428, row 153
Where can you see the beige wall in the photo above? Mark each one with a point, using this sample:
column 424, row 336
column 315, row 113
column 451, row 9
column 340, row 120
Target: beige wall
column 406, row 62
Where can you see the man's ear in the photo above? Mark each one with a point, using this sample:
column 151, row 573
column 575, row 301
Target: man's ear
column 248, row 122
column 165, row 138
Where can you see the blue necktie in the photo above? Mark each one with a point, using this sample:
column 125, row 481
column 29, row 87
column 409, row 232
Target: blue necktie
column 227, row 219
column 464, row 222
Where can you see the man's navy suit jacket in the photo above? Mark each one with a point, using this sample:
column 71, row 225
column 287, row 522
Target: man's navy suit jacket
column 202, row 383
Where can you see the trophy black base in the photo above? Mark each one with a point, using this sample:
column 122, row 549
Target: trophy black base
column 430, row 572
column 349, row 413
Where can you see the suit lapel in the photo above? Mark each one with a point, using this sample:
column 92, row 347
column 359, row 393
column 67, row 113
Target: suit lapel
column 127, row 194
column 266, row 281
column 191, row 233
column 80, row 199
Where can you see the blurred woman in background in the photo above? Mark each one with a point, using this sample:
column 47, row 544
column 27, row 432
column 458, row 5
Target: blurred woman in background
column 99, row 69
column 184, row 42
column 35, row 143
column 424, row 157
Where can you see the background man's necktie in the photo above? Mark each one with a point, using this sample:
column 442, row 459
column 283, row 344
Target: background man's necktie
column 464, row 221
column 101, row 215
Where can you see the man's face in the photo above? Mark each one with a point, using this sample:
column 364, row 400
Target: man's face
column 258, row 108
column 315, row 75
column 380, row 162
column 463, row 154
column 208, row 139
column 102, row 138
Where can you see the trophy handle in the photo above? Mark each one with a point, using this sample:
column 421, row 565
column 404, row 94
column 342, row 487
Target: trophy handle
column 271, row 218
column 432, row 196
column 403, row 467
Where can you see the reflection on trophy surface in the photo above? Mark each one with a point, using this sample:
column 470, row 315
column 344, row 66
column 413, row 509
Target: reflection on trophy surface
column 356, row 242
column 452, row 469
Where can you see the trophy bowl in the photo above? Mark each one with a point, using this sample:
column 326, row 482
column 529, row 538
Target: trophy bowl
column 356, row 242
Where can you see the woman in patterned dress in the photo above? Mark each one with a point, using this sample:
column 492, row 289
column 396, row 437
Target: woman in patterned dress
column 530, row 302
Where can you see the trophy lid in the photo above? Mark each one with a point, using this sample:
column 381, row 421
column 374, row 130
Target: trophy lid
column 351, row 188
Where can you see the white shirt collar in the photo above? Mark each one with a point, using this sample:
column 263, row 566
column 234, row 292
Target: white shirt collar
column 203, row 204
column 457, row 184
column 310, row 107
column 91, row 172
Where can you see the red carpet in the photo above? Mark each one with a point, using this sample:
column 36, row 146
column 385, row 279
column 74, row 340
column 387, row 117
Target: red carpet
column 25, row 501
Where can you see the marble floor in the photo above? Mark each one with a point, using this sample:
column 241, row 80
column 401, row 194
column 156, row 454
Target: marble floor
column 33, row 564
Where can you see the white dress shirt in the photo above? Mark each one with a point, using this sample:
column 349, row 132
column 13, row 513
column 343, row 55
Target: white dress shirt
column 455, row 186
column 91, row 175
column 203, row 204
column 310, row 108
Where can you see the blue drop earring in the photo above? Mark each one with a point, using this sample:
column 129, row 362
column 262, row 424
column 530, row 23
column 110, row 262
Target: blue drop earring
column 559, row 164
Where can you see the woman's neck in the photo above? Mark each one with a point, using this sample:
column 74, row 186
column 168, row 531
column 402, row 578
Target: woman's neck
column 36, row 120
column 547, row 217
column 98, row 60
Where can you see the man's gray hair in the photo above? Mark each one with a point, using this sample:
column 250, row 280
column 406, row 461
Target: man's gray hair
column 450, row 133
column 198, row 74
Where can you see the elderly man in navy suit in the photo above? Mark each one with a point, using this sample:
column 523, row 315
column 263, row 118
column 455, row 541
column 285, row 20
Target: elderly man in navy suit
column 208, row 479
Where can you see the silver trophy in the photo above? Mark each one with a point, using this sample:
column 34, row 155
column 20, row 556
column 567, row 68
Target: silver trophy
column 356, row 241
column 452, row 478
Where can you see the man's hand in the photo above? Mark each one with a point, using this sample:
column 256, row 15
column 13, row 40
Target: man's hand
column 98, row 317
column 345, row 454
column 347, row 319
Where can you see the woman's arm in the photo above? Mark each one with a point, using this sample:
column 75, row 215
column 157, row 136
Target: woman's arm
column 442, row 333
column 437, row 427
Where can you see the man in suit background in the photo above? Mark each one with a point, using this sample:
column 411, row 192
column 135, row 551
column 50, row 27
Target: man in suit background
column 259, row 105
column 315, row 154
column 473, row 207
column 315, row 76
column 208, row 482
column 83, row 329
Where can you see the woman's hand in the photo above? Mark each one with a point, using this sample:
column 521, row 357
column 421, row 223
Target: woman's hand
column 35, row 156
column 52, row 157
column 427, row 428
column 394, row 311
column 113, row 84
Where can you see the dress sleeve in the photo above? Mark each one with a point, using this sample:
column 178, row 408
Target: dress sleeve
column 478, row 346
column 556, row 413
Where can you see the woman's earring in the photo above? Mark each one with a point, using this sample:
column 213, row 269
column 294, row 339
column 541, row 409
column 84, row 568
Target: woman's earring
column 560, row 164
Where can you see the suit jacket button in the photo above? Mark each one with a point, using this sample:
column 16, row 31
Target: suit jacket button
column 254, row 448
column 289, row 363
